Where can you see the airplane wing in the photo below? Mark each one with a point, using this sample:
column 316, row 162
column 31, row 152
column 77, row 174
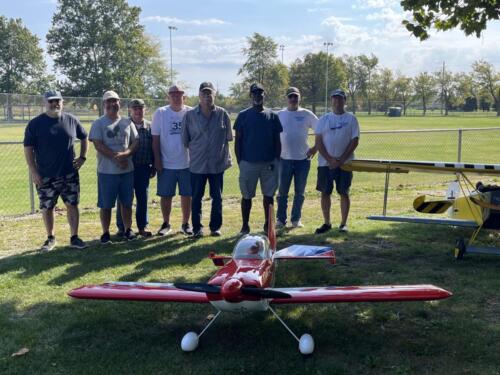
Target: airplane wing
column 306, row 252
column 423, row 220
column 431, row 207
column 136, row 291
column 405, row 166
column 382, row 293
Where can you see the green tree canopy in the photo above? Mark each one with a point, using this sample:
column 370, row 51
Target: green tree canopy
column 489, row 80
column 100, row 45
column 470, row 15
column 22, row 66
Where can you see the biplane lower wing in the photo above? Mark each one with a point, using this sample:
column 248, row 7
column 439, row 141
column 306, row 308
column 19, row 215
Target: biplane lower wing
column 405, row 166
column 305, row 252
column 136, row 291
column 383, row 293
column 422, row 220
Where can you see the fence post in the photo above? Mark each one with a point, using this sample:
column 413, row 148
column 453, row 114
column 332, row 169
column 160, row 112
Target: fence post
column 32, row 192
column 459, row 145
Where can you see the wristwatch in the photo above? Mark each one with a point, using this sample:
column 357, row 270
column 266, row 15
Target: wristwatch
column 338, row 159
column 83, row 158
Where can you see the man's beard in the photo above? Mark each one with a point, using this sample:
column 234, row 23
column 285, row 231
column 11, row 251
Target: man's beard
column 54, row 112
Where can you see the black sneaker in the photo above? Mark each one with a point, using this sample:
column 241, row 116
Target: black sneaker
column 106, row 239
column 323, row 229
column 216, row 233
column 186, row 229
column 129, row 235
column 77, row 243
column 164, row 230
column 245, row 229
column 49, row 244
column 198, row 233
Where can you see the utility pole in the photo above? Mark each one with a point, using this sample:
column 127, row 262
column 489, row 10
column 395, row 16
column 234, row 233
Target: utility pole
column 282, row 48
column 327, row 44
column 170, row 28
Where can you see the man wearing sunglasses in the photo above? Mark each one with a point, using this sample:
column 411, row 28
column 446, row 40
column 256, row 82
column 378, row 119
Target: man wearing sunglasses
column 115, row 140
column 49, row 152
column 295, row 157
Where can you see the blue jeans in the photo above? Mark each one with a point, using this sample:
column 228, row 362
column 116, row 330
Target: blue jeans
column 298, row 170
column 141, row 187
column 198, row 183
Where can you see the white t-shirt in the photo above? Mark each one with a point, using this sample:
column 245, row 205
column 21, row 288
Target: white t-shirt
column 337, row 131
column 295, row 125
column 167, row 124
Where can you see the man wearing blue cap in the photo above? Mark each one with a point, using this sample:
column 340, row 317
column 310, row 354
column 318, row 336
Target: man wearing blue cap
column 337, row 136
column 49, row 152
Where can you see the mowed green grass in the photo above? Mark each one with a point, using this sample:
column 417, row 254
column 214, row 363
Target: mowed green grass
column 460, row 335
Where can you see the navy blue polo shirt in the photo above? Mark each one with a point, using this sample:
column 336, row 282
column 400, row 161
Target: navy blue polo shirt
column 258, row 132
column 52, row 140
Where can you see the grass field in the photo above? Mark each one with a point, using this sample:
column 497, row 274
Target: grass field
column 460, row 335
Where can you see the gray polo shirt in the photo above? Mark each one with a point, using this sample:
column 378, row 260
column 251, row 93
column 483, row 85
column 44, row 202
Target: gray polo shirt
column 207, row 140
column 117, row 135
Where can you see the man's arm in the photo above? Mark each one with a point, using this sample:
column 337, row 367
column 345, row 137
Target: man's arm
column 349, row 150
column 30, row 160
column 237, row 146
column 157, row 153
column 320, row 146
column 103, row 149
column 277, row 145
column 78, row 162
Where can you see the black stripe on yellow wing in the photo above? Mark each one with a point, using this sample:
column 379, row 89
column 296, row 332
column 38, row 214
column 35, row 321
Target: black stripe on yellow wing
column 432, row 207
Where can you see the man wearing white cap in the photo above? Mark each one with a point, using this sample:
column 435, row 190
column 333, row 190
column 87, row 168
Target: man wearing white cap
column 172, row 159
column 115, row 139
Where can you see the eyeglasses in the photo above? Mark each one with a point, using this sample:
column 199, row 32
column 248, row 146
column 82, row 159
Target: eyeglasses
column 51, row 101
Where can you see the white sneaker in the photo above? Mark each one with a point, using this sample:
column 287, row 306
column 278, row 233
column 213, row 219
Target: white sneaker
column 279, row 225
column 343, row 228
column 297, row 224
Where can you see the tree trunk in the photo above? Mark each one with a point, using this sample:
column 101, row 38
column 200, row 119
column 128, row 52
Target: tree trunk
column 353, row 104
column 424, row 106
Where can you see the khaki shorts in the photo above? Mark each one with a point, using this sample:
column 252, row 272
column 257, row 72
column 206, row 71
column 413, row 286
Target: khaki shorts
column 251, row 173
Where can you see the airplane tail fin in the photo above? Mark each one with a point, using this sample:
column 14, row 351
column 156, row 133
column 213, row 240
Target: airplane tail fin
column 431, row 207
column 271, row 229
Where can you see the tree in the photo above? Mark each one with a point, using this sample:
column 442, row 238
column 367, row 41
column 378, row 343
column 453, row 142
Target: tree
column 489, row 80
column 403, row 91
column 466, row 94
column 100, row 45
column 309, row 76
column 262, row 66
column 425, row 88
column 356, row 77
column 383, row 82
column 447, row 84
column 470, row 15
column 370, row 63
column 22, row 67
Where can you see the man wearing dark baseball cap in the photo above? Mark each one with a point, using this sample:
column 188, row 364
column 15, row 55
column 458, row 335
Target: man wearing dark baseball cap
column 49, row 152
column 206, row 132
column 296, row 157
column 337, row 136
column 257, row 149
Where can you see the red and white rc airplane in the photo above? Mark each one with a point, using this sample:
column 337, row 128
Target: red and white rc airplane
column 244, row 282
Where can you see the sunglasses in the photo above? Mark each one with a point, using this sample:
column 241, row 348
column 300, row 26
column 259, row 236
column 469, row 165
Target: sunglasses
column 51, row 101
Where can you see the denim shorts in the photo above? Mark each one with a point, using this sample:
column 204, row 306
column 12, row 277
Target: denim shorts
column 168, row 179
column 112, row 186
column 327, row 176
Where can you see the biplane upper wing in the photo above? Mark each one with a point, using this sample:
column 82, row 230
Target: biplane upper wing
column 136, row 291
column 405, row 166
column 306, row 252
column 383, row 293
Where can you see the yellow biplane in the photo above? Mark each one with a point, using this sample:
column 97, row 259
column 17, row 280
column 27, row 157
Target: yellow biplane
column 474, row 206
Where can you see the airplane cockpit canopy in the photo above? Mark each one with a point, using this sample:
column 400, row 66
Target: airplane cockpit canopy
column 252, row 247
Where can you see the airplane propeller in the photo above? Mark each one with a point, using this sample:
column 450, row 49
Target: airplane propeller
column 246, row 290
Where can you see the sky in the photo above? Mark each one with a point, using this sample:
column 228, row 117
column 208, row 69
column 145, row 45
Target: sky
column 210, row 35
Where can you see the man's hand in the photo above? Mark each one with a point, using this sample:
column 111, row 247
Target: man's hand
column 77, row 163
column 333, row 163
column 310, row 153
column 37, row 179
column 158, row 165
column 152, row 172
column 121, row 155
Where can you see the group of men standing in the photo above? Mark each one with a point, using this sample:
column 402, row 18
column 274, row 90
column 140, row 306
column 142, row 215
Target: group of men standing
column 186, row 148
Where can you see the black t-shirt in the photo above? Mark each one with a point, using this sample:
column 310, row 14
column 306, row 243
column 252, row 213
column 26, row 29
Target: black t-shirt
column 52, row 140
column 258, row 131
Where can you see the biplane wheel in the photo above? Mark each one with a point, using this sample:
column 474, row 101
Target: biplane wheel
column 306, row 344
column 189, row 342
column 460, row 249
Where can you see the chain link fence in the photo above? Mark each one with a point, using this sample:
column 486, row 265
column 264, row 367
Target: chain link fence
column 480, row 145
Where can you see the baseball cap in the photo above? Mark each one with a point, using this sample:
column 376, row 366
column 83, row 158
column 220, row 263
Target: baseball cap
column 207, row 86
column 136, row 103
column 110, row 95
column 256, row 87
column 338, row 92
column 52, row 94
column 292, row 91
column 175, row 88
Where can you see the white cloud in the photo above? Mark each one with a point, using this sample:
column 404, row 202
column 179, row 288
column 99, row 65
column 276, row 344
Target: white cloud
column 179, row 21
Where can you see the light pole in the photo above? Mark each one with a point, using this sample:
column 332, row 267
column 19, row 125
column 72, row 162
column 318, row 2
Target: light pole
column 170, row 28
column 282, row 48
column 327, row 44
